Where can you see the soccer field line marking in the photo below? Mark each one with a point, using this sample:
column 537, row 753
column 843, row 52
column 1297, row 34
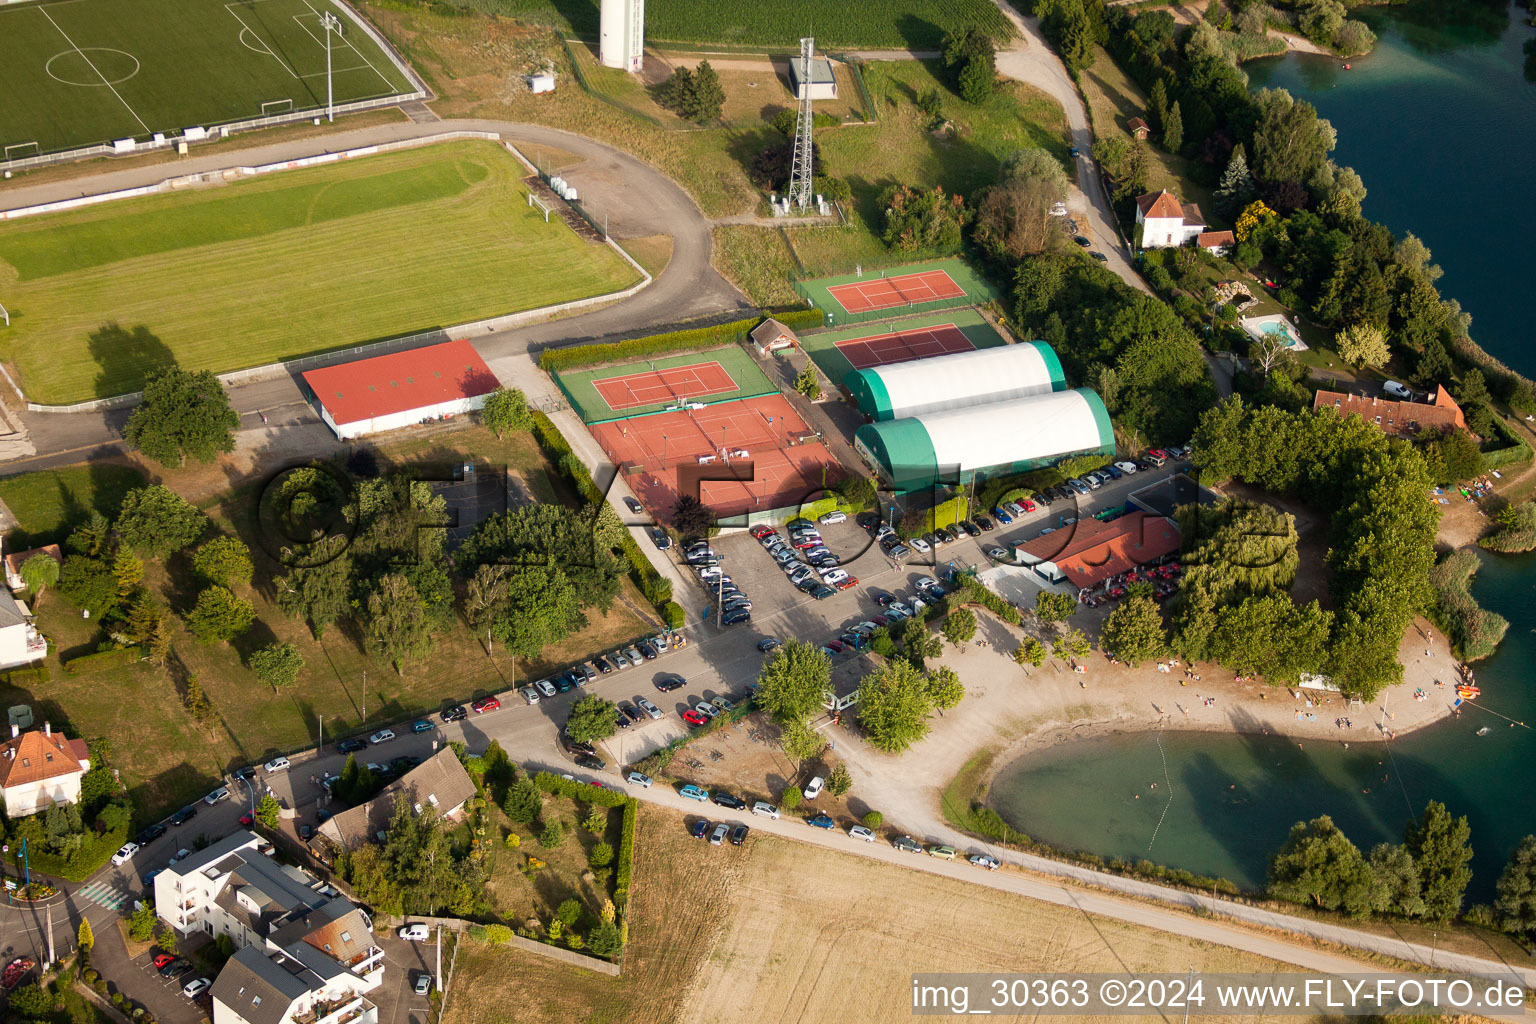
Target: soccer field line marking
column 104, row 81
column 387, row 83
column 257, row 36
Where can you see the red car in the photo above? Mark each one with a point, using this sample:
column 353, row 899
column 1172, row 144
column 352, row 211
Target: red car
column 1028, row 505
column 837, row 645
column 486, row 704
column 693, row 718
column 761, row 530
column 805, row 543
column 1158, row 453
column 847, row 584
column 246, row 821
column 161, row 959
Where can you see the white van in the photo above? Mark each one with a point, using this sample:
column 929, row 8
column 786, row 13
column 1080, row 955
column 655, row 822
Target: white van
column 1397, row 390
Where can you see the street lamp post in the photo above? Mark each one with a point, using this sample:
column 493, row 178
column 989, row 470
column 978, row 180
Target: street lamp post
column 329, row 23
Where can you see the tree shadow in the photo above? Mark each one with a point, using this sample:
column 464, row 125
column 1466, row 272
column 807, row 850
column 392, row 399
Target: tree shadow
column 125, row 357
column 919, row 33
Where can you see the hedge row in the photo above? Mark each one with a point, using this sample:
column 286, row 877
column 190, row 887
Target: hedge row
column 920, row 521
column 587, row 793
column 103, row 659
column 625, row 871
column 642, row 348
column 656, row 587
column 1515, row 450
column 85, row 861
column 29, row 675
column 973, row 592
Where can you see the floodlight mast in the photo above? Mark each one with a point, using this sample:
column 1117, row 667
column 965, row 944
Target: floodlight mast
column 330, row 23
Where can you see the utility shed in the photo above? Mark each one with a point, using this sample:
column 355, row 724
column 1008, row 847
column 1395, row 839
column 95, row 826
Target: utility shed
column 371, row 396
column 822, row 81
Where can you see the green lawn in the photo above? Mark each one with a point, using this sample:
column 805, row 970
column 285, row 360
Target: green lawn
column 284, row 265
column 903, row 24
column 167, row 759
column 82, row 72
column 48, row 504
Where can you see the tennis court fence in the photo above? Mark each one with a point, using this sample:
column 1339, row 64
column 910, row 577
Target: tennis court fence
column 818, row 296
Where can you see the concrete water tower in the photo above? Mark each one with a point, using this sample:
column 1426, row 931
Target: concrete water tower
column 621, row 42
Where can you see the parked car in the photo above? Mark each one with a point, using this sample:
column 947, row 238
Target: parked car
column 529, row 695
column 693, row 718
column 277, row 764
column 983, row 523
column 650, row 709
column 699, row 829
column 423, row 984
column 125, row 854
column 813, row 788
column 764, row 809
column 821, row 592
column 422, row 725
column 222, row 793
column 1003, row 515
column 669, row 682
column 987, row 861
column 458, row 713
column 306, row 832
column 196, row 987
column 725, row 799
column 633, row 505
column 640, row 779
column 382, row 736
column 722, row 703
column 717, row 837
column 1126, row 467
column 161, row 959
column 739, row 835
column 149, row 835
column 846, row 583
column 663, row 542
column 417, row 932
column 590, row 762
column 401, row 764
column 768, row 643
column 485, row 704
column 860, row 832
column 821, row 821
column 833, row 518
column 942, row 852
column 706, row 709
column 735, row 617
column 631, row 712
column 906, row 844
column 761, row 530
column 970, row 528
column 1099, row 256
column 601, row 664
column 183, row 816
column 692, row 792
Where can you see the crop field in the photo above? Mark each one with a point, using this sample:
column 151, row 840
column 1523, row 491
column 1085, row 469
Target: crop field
column 905, row 24
column 281, row 266
column 81, row 72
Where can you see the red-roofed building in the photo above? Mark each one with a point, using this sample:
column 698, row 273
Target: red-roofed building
column 398, row 390
column 1138, row 128
column 1401, row 419
column 1165, row 223
column 1216, row 242
column 1090, row 552
column 40, row 769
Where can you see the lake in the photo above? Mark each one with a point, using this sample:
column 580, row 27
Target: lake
column 1440, row 121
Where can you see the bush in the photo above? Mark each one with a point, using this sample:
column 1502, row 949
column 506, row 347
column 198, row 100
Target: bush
column 601, row 855
column 496, row 934
column 552, row 836
column 874, row 819
column 103, row 659
column 673, row 615
column 790, row 799
column 90, row 976
column 569, row 912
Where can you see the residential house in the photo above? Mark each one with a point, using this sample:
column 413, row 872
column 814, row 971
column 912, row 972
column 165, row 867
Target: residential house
column 304, row 951
column 20, row 642
column 1401, row 419
column 1164, row 222
column 1138, row 128
column 39, row 769
column 14, row 562
column 440, row 783
column 1217, row 243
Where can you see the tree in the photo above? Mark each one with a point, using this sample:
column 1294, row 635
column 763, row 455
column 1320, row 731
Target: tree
column 39, row 573
column 524, row 801
column 1014, row 218
column 156, row 521
column 542, row 607
column 793, row 684
column 605, row 939
column 397, row 621
column 183, row 413
column 197, row 701
column 692, row 517
column 945, row 688
column 149, row 624
column 225, row 561
column 1173, row 128
column 268, row 811
column 1072, row 644
column 1319, row 866
column 1157, row 102
column 959, row 626
column 1030, row 652
column 923, row 220
column 591, row 718
column 1439, row 845
column 807, row 383
column 85, row 938
column 1362, row 345
column 839, row 782
column 1054, row 607
column 220, row 616
column 1394, row 882
column 128, row 571
column 708, row 98
column 1237, row 188
column 978, row 81
column 1133, row 632
column 800, row 742
column 278, row 665
column 31, row 1002
column 141, row 923
column 319, row 593
column 894, row 706
column 1516, row 901
column 506, row 412
column 1290, row 142
column 920, row 644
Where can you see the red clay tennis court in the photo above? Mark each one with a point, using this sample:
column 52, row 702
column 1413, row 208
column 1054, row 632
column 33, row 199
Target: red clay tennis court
column 757, row 445
column 652, row 386
column 904, row 346
column 890, row 292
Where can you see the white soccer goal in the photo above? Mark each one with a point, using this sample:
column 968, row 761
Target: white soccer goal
column 17, row 150
column 5, row 315
column 276, row 107
column 534, row 200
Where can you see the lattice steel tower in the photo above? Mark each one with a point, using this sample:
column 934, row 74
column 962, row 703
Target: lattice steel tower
column 802, row 174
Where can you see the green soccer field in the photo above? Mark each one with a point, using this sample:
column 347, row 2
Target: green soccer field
column 288, row 264
column 81, row 72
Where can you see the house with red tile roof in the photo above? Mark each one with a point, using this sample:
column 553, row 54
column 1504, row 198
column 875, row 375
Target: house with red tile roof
column 39, row 769
column 1216, row 242
column 1164, row 222
column 1138, row 128
column 1400, row 419
column 14, row 560
column 1091, row 551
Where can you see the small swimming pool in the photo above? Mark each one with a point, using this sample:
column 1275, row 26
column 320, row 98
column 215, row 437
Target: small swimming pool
column 1273, row 326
